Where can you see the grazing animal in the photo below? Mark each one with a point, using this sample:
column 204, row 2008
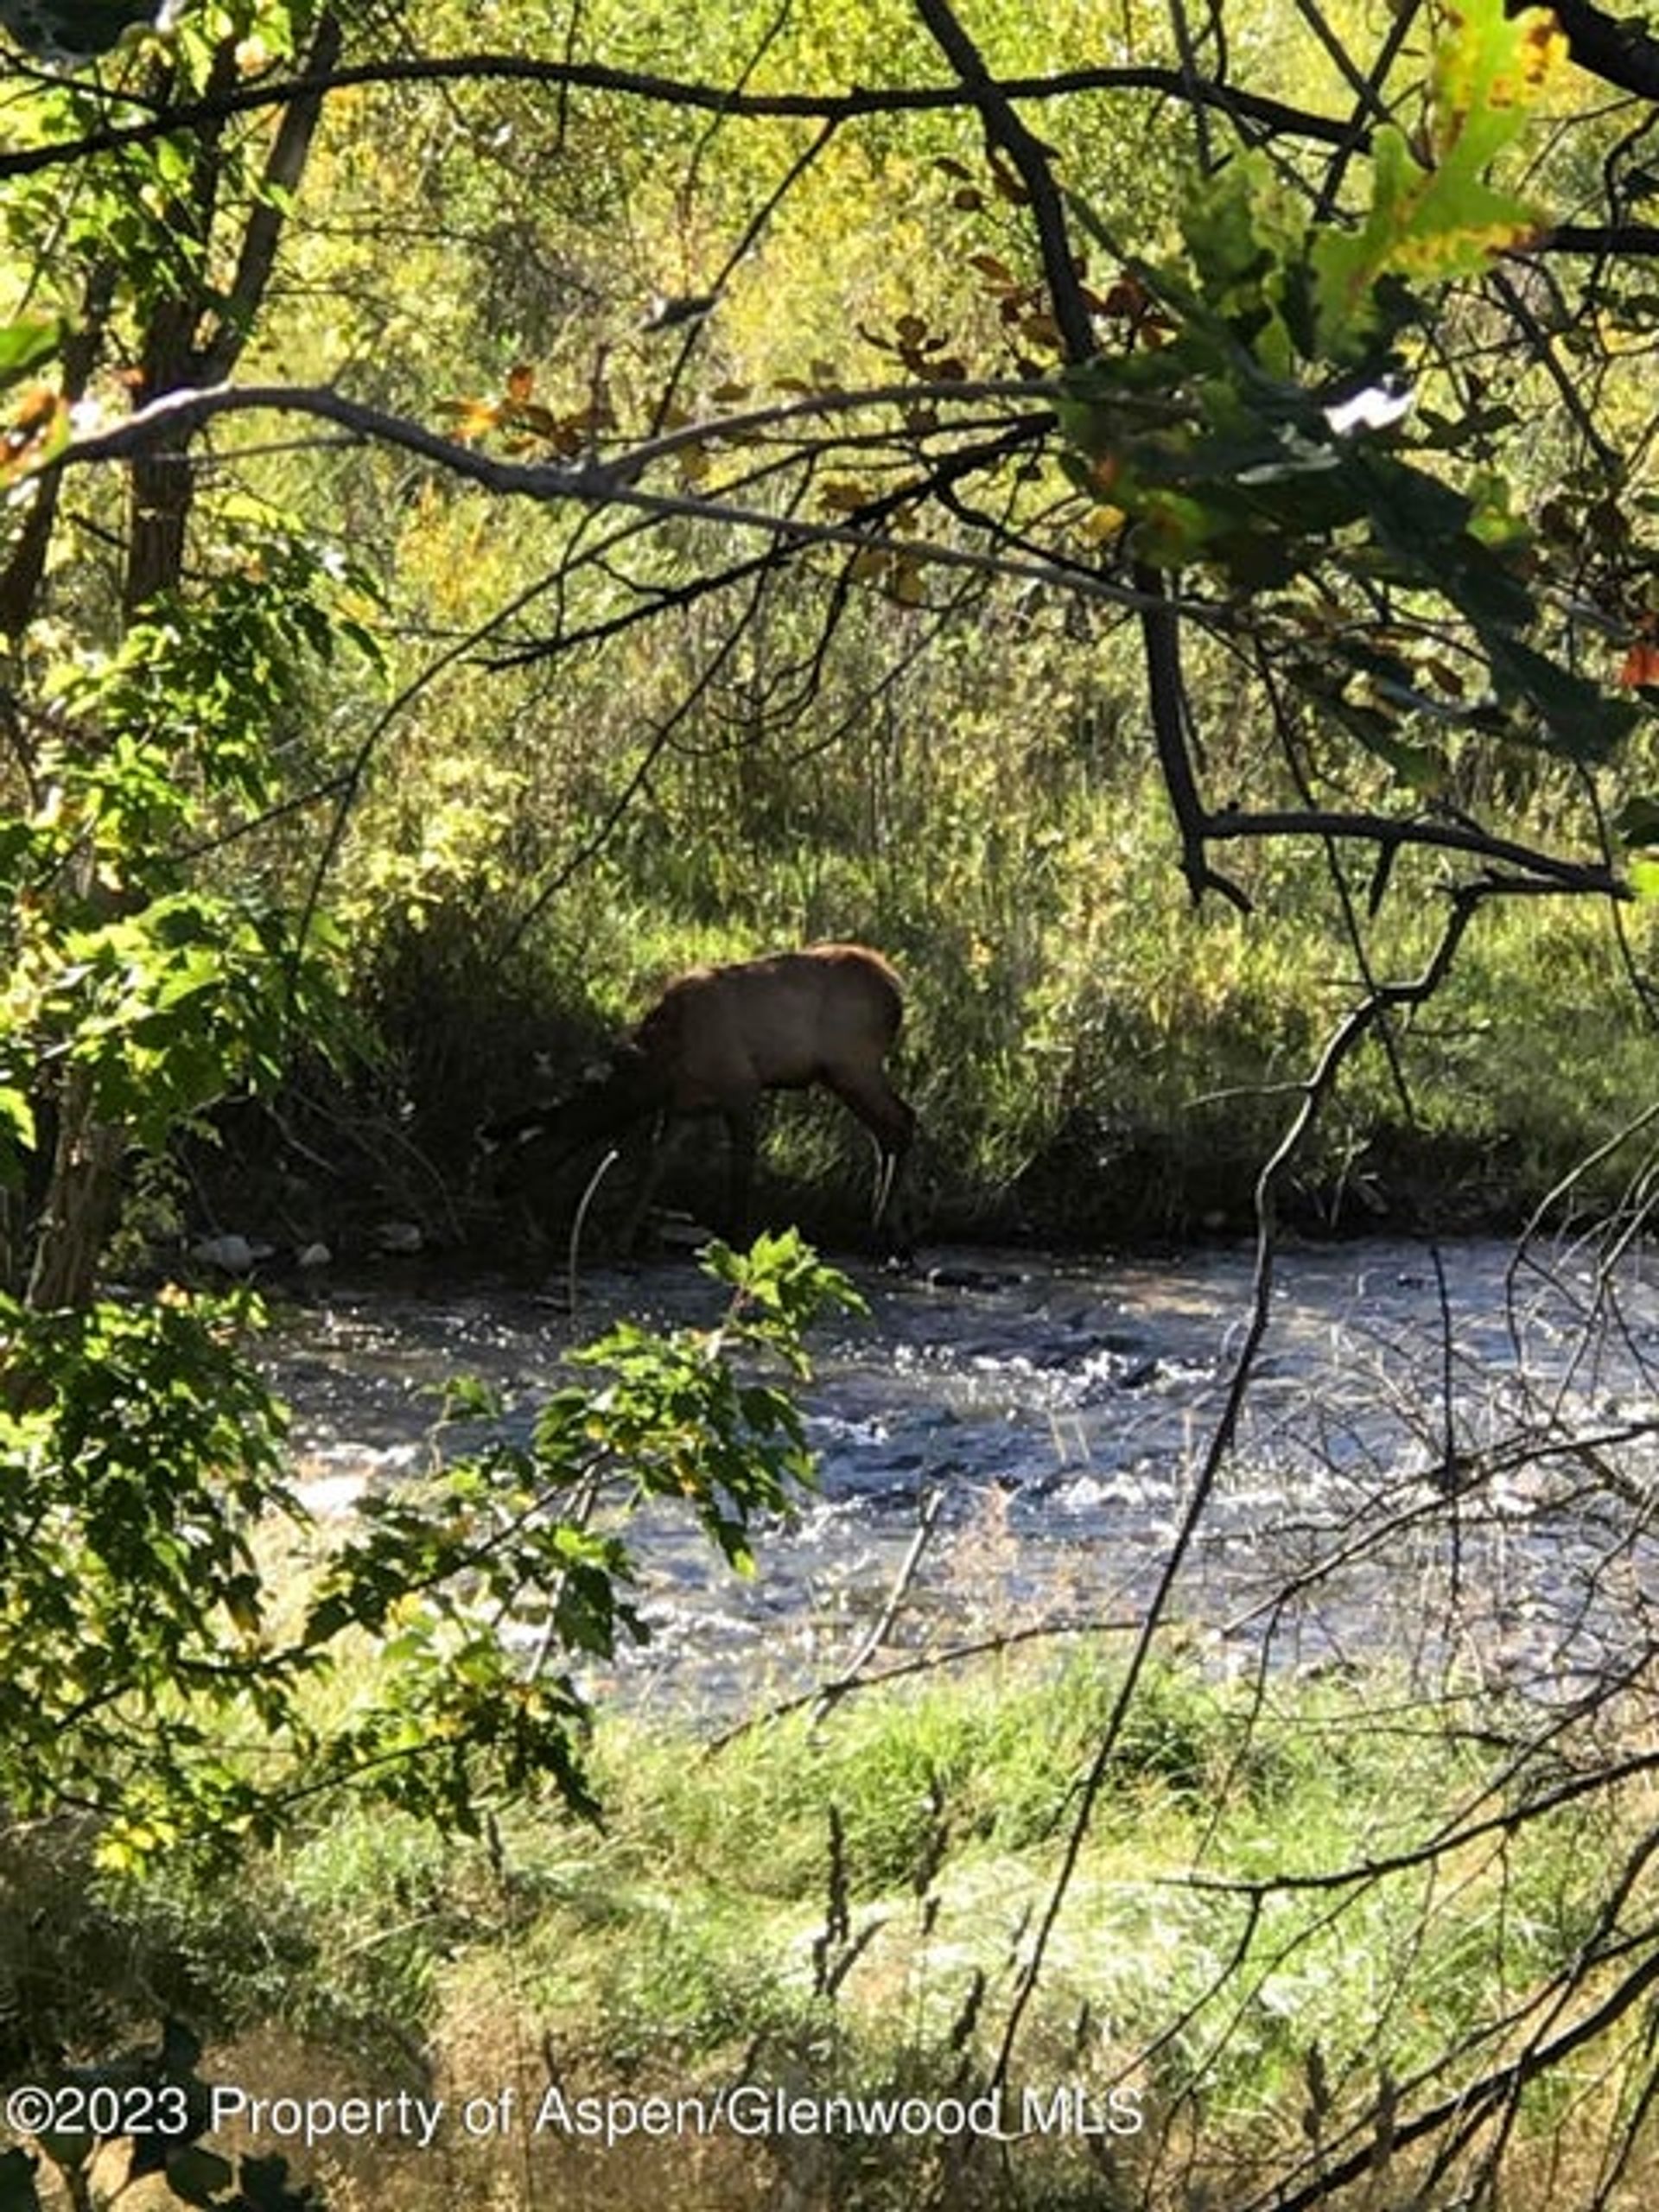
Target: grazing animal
column 718, row 1036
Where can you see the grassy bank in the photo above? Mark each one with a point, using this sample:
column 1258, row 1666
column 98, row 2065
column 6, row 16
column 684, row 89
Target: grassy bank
column 971, row 789
column 1115, row 1073
column 1092, row 1059
column 1301, row 1907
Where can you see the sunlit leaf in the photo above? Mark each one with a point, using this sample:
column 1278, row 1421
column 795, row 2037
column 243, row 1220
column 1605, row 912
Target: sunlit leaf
column 28, row 342
column 1437, row 216
column 38, row 429
column 473, row 418
column 1580, row 722
column 905, row 584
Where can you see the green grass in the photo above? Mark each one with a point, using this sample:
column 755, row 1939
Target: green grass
column 844, row 1907
column 1091, row 1059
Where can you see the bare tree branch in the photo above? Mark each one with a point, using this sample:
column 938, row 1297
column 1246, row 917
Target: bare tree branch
column 1269, row 114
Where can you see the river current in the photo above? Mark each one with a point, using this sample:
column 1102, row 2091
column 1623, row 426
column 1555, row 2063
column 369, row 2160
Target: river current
column 1445, row 1451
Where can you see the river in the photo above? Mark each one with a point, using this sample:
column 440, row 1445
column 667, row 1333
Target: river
column 1446, row 1451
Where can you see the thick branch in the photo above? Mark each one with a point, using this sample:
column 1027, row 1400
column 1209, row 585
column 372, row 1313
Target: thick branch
column 283, row 169
column 188, row 410
column 1274, row 115
column 591, row 483
column 1166, row 696
column 159, row 493
column 1004, row 128
column 1600, row 238
column 1160, row 635
column 1390, row 833
column 1619, row 49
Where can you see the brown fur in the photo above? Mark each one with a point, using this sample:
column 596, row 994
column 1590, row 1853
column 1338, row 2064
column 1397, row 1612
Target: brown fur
column 719, row 1037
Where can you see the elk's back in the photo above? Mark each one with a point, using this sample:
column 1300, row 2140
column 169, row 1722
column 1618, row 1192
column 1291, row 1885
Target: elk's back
column 791, row 1018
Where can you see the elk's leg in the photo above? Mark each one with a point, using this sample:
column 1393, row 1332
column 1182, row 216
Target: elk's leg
column 651, row 1174
column 740, row 1169
column 889, row 1120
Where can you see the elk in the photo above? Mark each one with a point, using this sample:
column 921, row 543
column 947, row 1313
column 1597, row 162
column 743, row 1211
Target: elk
column 717, row 1039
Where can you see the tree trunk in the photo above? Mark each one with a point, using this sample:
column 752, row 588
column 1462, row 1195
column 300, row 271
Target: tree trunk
column 191, row 335
column 81, row 1200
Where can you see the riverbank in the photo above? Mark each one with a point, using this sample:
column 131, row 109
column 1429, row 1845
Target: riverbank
column 787, row 1965
column 1271, row 1831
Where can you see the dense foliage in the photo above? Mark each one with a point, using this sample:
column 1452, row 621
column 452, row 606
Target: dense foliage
column 669, row 638
column 1139, row 521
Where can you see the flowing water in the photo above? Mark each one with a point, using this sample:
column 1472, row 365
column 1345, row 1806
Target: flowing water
column 1446, row 1451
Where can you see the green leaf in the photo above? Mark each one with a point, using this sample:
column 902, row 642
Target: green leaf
column 1438, row 216
column 25, row 344
column 17, row 1119
column 1246, row 237
column 1580, row 722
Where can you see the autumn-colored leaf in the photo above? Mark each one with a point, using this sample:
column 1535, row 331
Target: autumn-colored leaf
column 1434, row 214
column 28, row 343
column 473, row 418
column 38, row 425
column 33, row 411
column 1102, row 524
